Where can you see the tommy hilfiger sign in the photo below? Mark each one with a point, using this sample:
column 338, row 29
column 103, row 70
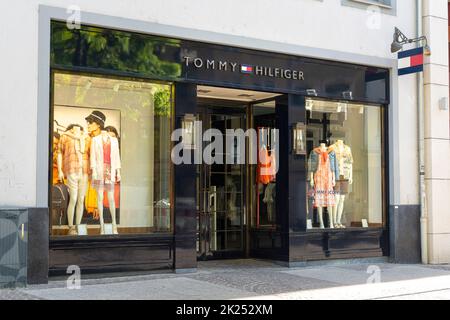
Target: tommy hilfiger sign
column 257, row 70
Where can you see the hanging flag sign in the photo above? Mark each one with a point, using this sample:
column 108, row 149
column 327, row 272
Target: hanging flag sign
column 410, row 61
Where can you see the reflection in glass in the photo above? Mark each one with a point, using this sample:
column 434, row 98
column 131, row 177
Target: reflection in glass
column 121, row 51
column 221, row 191
column 264, row 183
column 112, row 154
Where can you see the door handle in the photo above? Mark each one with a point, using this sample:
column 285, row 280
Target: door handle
column 212, row 203
column 22, row 231
column 213, row 217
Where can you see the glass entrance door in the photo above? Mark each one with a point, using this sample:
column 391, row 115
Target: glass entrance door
column 221, row 189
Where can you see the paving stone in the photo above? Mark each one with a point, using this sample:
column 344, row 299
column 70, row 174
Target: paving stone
column 159, row 289
column 361, row 275
column 433, row 295
column 253, row 279
column 61, row 282
column 16, row 294
column 263, row 282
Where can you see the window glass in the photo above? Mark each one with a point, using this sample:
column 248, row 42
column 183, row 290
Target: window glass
column 111, row 156
column 345, row 165
column 263, row 195
column 108, row 49
column 373, row 7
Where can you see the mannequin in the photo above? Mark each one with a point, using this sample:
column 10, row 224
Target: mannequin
column 73, row 165
column 112, row 131
column 55, row 174
column 266, row 177
column 266, row 166
column 104, row 164
column 269, row 200
column 231, row 201
column 323, row 172
column 345, row 163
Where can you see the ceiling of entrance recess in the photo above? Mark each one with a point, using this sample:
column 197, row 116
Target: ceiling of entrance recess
column 233, row 94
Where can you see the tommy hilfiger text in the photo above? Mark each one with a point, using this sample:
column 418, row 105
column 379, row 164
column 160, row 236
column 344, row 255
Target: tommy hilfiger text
column 248, row 69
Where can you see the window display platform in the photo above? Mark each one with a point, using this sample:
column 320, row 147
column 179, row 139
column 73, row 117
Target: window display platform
column 325, row 244
column 111, row 253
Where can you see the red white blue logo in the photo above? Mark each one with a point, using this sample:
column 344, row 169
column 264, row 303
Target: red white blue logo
column 245, row 68
column 410, row 61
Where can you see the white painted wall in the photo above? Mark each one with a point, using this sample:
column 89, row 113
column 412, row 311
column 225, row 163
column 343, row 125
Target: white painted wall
column 321, row 24
column 406, row 127
column 437, row 131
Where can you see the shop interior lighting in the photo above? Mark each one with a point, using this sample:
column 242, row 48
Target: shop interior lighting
column 309, row 104
column 299, row 138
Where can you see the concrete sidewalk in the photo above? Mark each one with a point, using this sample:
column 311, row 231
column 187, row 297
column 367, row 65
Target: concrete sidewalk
column 256, row 279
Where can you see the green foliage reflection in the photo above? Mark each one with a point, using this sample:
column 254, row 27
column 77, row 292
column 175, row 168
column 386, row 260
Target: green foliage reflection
column 115, row 50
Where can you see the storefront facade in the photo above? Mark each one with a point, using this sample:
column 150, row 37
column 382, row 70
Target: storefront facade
column 146, row 83
column 144, row 86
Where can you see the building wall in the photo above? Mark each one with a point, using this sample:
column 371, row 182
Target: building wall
column 437, row 146
column 324, row 25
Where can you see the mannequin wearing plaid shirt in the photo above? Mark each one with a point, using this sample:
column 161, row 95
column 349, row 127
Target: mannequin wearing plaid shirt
column 73, row 166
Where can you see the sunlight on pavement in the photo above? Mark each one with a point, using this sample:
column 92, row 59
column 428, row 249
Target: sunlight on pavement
column 399, row 289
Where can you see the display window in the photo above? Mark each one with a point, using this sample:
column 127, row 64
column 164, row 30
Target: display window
column 345, row 165
column 111, row 170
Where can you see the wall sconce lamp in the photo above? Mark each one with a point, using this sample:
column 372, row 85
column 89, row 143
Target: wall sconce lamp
column 188, row 134
column 299, row 138
column 400, row 39
column 347, row 95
